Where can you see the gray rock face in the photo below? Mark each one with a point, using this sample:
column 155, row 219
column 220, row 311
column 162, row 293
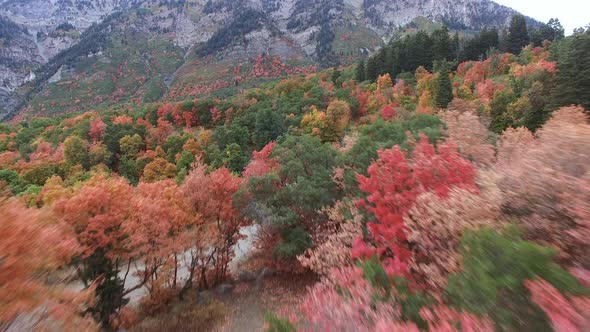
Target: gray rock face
column 288, row 28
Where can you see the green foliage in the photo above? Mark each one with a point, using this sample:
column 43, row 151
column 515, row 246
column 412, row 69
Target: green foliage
column 173, row 146
column 518, row 35
column 384, row 135
column 410, row 301
column 269, row 126
column 477, row 47
column 109, row 291
column 572, row 81
column 444, row 90
column 500, row 117
column 360, row 73
column 39, row 174
column 15, row 183
column 295, row 241
column 76, row 151
column 234, row 158
column 292, row 198
column 495, row 268
column 278, row 324
column 115, row 132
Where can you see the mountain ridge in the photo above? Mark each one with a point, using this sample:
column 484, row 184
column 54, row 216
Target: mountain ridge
column 298, row 32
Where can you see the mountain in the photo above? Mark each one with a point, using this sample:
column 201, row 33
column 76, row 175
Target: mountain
column 68, row 55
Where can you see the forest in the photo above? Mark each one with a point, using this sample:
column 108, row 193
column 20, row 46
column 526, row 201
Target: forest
column 436, row 186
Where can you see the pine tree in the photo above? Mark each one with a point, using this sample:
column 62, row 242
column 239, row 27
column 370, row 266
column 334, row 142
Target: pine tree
column 371, row 74
column 361, row 71
column 572, row 81
column 444, row 89
column 441, row 45
column 518, row 35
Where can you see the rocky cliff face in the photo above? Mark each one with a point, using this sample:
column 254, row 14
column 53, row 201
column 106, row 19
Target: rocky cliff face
column 324, row 31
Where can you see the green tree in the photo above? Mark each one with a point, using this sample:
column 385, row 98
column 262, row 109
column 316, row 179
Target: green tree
column 291, row 198
column 268, row 127
column 444, row 91
column 76, row 151
column 572, row 81
column 518, row 35
column 499, row 105
column 360, row 74
column 234, row 158
column 371, row 74
column 442, row 48
column 495, row 267
column 131, row 145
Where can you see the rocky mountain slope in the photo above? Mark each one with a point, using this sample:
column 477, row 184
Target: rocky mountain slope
column 84, row 53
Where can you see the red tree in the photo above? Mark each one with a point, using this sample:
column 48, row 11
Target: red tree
column 211, row 196
column 261, row 162
column 393, row 185
column 97, row 128
column 34, row 245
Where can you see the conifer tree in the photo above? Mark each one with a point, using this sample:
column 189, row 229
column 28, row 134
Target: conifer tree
column 361, row 71
column 572, row 81
column 518, row 35
column 444, row 90
column 371, row 74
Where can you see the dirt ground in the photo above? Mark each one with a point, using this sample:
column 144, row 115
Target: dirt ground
column 248, row 303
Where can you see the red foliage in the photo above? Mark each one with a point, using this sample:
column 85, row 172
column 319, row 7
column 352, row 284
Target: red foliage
column 363, row 99
column 211, row 196
column 261, row 162
column 97, row 128
column 97, row 211
column 123, row 119
column 388, row 111
column 393, row 185
column 566, row 315
column 33, row 245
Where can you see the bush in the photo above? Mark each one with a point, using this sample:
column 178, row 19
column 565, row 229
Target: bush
column 496, row 267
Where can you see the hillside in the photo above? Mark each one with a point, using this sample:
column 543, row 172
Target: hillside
column 205, row 45
column 314, row 196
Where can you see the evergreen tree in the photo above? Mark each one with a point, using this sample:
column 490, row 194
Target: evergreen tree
column 335, row 76
column 361, row 71
column 441, row 45
column 444, row 93
column 371, row 74
column 518, row 35
column 572, row 81
column 456, row 46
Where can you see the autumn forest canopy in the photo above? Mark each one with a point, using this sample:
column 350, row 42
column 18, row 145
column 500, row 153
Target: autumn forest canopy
column 440, row 184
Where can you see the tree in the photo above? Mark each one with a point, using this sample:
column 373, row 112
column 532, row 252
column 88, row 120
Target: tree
column 159, row 169
column 131, row 145
column 441, row 45
column 465, row 129
column 372, row 70
column 76, row 151
column 518, row 35
column 291, row 197
column 337, row 118
column 97, row 129
column 496, row 267
column 572, row 81
column 157, row 231
column 211, row 196
column 97, row 212
column 392, row 186
column 444, row 90
column 262, row 163
column 34, row 244
column 269, row 126
column 361, row 70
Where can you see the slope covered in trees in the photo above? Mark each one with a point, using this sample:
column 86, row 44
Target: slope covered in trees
column 452, row 197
